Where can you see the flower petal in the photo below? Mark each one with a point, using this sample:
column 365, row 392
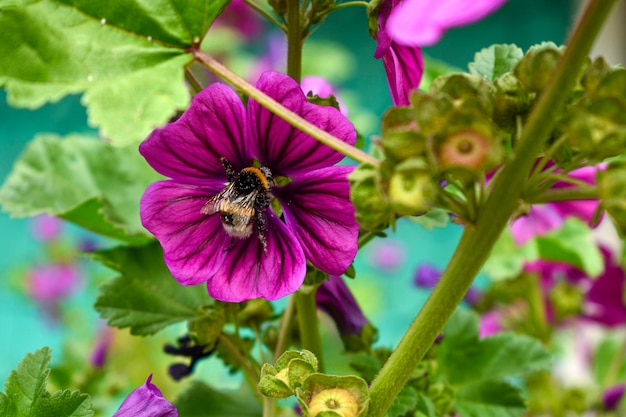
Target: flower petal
column 146, row 401
column 422, row 22
column 318, row 210
column 193, row 243
column 285, row 149
column 189, row 149
column 248, row 272
column 404, row 67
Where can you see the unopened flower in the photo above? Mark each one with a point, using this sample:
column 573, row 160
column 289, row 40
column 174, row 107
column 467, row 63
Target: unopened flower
column 218, row 219
column 542, row 218
column 146, row 401
column 334, row 298
column 338, row 400
column 612, row 397
column 104, row 340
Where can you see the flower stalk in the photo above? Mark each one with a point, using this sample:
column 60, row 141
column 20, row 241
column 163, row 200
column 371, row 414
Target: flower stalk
column 294, row 40
column 477, row 241
column 308, row 323
column 282, row 112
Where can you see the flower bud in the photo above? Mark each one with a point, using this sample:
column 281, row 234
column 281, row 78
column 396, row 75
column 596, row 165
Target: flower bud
column 463, row 87
column 511, row 100
column 330, row 395
column 612, row 190
column 536, row 69
column 411, row 189
column 467, row 149
column 289, row 372
column 401, row 138
column 373, row 211
column 278, row 6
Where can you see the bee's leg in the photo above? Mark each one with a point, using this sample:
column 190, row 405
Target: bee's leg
column 261, row 226
column 230, row 172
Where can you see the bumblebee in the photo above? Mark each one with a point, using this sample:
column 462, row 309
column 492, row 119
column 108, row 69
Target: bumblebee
column 245, row 199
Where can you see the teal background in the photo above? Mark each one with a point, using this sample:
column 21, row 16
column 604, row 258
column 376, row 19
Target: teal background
column 523, row 22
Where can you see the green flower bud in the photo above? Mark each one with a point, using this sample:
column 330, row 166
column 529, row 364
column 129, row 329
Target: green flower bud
column 566, row 299
column 511, row 100
column 442, row 396
column 467, row 149
column 255, row 312
column 373, row 211
column 536, row 69
column 594, row 74
column 411, row 189
column 278, row 6
column 401, row 138
column 464, row 87
column 289, row 372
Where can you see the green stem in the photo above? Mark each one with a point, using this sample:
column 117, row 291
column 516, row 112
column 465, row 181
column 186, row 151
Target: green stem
column 294, row 40
column 269, row 407
column 196, row 86
column 285, row 328
column 266, row 14
column 537, row 308
column 309, row 326
column 281, row 111
column 615, row 366
column 477, row 242
column 250, row 373
column 565, row 194
column 350, row 4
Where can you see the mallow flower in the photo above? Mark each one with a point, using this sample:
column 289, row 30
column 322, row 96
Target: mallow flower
column 250, row 198
column 406, row 25
column 146, row 401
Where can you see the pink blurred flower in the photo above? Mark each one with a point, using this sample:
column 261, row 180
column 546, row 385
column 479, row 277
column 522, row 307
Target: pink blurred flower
column 490, row 323
column 241, row 17
column 423, row 22
column 46, row 228
column 50, row 283
column 387, row 254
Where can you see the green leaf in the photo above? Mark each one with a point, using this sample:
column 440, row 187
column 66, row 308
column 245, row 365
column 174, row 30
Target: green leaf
column 608, row 351
column 127, row 56
column 145, row 297
column 26, row 394
column 83, row 180
column 574, row 244
column 404, row 402
column 489, row 399
column 464, row 358
column 495, row 60
column 425, row 407
column 203, row 401
column 507, row 259
column 433, row 218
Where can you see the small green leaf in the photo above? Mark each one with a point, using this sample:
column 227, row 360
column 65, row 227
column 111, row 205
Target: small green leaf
column 26, row 393
column 145, row 297
column 507, row 259
column 405, row 401
column 83, row 180
column 127, row 56
column 574, row 244
column 495, row 60
column 203, row 401
column 464, row 358
column 489, row 399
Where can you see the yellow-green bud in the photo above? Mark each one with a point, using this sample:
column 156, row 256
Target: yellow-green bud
column 337, row 400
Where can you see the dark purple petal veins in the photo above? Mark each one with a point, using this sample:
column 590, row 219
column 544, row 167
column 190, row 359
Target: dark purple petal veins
column 318, row 210
column 404, row 67
column 249, row 272
column 189, row 149
column 146, row 401
column 285, row 149
column 334, row 297
column 193, row 243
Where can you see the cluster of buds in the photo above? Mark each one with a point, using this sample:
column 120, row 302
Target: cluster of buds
column 295, row 373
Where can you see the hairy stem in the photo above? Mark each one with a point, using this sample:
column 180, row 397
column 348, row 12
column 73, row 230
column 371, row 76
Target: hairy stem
column 477, row 242
column 309, row 326
column 285, row 327
column 294, row 40
column 281, row 111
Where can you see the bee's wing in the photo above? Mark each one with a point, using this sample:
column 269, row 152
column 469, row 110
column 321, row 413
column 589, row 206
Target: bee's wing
column 213, row 205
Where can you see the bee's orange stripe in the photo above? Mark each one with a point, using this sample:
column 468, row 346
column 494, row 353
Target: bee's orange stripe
column 259, row 174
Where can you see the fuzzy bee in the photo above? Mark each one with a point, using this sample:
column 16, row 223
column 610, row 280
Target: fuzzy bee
column 245, row 199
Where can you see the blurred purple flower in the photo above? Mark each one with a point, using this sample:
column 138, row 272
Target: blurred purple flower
column 146, row 401
column 542, row 218
column 612, row 397
column 490, row 323
column 427, row 276
column 241, row 17
column 52, row 282
column 104, row 340
column 387, row 254
column 228, row 235
column 423, row 22
column 46, row 228
column 603, row 296
column 335, row 299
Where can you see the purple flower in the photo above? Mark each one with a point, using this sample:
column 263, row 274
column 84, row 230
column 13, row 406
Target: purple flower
column 146, row 401
column 335, row 299
column 603, row 296
column 542, row 218
column 241, row 17
column 426, row 275
column 612, row 396
column 218, row 218
column 423, row 22
column 387, row 254
column 321, row 87
column 404, row 65
column 46, row 228
column 104, row 340
column 52, row 282
column 490, row 323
